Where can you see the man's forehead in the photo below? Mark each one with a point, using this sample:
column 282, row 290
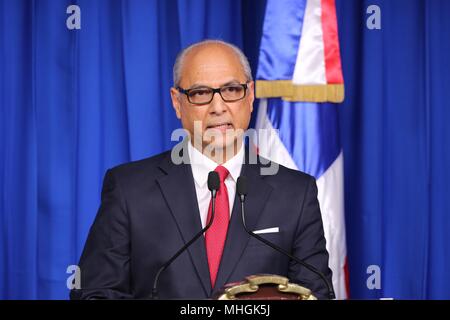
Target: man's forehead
column 220, row 65
column 217, row 68
column 213, row 77
column 212, row 52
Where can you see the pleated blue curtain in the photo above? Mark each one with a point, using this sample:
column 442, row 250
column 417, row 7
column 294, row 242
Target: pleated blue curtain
column 74, row 103
column 396, row 142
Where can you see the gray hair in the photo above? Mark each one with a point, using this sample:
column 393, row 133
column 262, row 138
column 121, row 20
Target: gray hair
column 182, row 55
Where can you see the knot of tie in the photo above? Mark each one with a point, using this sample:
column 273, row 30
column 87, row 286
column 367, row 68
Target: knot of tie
column 223, row 173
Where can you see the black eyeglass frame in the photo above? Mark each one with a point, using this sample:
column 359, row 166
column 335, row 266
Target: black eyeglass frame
column 214, row 91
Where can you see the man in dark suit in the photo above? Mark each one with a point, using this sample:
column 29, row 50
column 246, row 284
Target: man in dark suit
column 151, row 208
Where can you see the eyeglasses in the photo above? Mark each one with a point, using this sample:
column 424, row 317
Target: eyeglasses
column 204, row 95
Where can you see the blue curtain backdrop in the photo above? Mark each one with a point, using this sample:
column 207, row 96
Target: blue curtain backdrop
column 396, row 137
column 76, row 102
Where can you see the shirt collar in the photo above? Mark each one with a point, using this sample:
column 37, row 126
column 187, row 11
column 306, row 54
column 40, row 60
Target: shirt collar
column 201, row 165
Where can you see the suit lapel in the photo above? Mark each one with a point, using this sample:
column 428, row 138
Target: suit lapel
column 237, row 238
column 178, row 189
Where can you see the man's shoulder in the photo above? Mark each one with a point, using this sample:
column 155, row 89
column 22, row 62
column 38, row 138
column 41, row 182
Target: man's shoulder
column 153, row 167
column 284, row 174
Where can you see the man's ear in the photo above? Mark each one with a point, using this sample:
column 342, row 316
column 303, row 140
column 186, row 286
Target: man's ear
column 174, row 94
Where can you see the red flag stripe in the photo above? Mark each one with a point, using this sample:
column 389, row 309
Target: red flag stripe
column 347, row 278
column 333, row 67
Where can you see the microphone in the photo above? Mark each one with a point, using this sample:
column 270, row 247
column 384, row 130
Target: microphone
column 213, row 186
column 242, row 191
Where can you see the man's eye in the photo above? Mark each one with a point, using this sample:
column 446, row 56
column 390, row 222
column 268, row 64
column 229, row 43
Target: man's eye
column 199, row 92
column 232, row 89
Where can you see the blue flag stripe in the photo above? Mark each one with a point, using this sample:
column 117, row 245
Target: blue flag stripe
column 280, row 40
column 309, row 131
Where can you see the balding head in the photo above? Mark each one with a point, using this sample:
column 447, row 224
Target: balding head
column 180, row 61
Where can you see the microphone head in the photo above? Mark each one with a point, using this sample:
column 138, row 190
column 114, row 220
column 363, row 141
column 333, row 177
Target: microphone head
column 213, row 181
column 241, row 187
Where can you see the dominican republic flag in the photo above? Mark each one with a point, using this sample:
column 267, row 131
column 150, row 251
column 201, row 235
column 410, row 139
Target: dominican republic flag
column 299, row 80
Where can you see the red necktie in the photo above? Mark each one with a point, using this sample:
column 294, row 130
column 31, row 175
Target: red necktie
column 217, row 233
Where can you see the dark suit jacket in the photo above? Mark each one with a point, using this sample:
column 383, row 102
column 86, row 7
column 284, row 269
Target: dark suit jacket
column 149, row 210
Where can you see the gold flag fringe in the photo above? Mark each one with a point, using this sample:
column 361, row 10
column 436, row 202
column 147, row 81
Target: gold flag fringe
column 307, row 93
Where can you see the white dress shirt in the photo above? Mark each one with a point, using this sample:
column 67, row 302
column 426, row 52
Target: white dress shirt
column 201, row 165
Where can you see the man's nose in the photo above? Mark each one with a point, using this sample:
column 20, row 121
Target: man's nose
column 217, row 104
